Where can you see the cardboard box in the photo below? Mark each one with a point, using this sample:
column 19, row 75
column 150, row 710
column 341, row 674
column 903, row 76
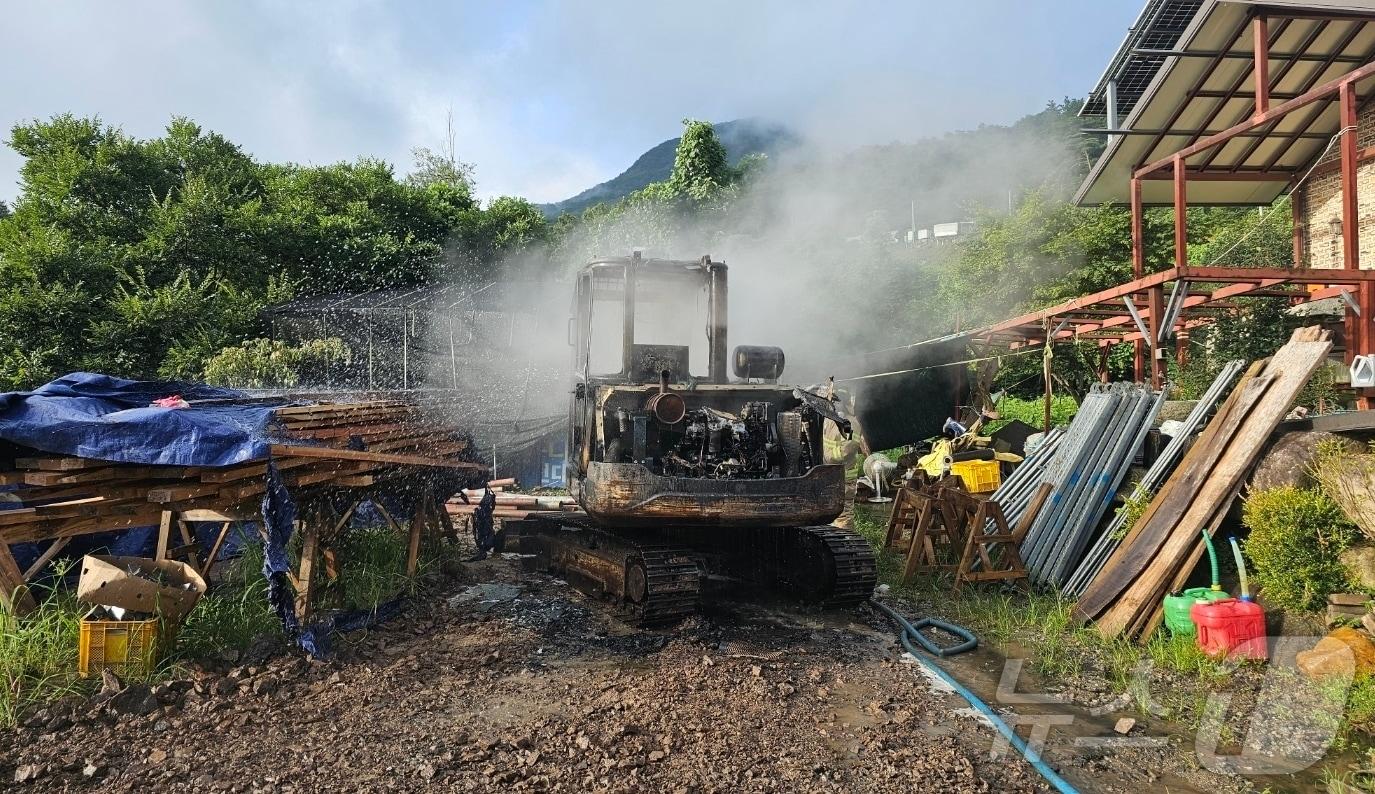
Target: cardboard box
column 107, row 581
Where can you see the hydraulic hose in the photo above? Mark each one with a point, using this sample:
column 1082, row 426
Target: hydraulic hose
column 909, row 632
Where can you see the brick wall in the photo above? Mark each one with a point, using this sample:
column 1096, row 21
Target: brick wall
column 1318, row 202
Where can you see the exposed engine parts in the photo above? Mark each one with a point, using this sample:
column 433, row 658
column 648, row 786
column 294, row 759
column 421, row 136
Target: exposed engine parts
column 718, row 445
column 758, row 442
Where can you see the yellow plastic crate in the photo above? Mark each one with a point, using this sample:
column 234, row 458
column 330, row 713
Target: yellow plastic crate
column 980, row 476
column 124, row 647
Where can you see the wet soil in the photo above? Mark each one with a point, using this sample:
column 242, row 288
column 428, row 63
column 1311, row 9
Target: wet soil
column 504, row 680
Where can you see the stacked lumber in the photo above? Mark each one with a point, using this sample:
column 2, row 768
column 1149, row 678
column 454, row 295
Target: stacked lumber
column 509, row 505
column 322, row 446
column 1165, row 545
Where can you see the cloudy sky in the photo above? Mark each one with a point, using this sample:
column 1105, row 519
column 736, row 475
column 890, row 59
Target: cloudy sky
column 547, row 97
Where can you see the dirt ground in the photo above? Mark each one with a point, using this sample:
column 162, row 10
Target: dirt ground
column 504, row 680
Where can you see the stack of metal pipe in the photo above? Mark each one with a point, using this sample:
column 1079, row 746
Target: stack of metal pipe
column 1154, row 477
column 1092, row 459
column 1015, row 493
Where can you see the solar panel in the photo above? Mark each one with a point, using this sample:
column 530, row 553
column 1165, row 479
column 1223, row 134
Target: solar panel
column 1159, row 28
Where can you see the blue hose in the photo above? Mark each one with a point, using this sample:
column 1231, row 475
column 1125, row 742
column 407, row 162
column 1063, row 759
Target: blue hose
column 909, row 633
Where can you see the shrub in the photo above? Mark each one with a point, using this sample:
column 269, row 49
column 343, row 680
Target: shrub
column 266, row 364
column 1296, row 537
column 1062, row 410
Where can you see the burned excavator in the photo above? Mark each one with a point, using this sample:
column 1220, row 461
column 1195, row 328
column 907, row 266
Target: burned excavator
column 687, row 479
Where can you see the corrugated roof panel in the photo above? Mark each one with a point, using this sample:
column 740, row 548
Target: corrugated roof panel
column 1171, row 101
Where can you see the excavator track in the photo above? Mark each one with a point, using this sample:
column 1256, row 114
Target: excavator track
column 655, row 578
column 673, row 583
column 832, row 567
column 649, row 583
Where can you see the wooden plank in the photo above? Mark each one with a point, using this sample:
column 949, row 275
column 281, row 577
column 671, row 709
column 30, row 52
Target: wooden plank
column 116, row 518
column 14, row 593
column 64, row 463
column 1290, row 368
column 207, row 514
column 177, row 493
column 164, row 534
column 111, row 473
column 374, row 457
column 356, row 481
column 45, row 558
column 1148, row 622
column 235, row 473
column 326, row 471
column 1153, row 527
column 310, row 544
column 330, row 408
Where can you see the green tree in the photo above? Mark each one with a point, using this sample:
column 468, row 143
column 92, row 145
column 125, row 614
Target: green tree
column 143, row 257
column 701, row 168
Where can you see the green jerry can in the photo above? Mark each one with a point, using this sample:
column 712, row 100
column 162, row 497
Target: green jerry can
column 1177, row 605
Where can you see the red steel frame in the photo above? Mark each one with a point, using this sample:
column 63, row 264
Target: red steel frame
column 1136, row 311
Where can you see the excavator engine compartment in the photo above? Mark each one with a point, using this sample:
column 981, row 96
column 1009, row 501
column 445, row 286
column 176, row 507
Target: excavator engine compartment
column 773, row 435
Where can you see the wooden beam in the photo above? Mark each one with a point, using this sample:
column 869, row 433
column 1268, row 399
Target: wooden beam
column 1195, row 174
column 1350, row 219
column 45, row 558
column 14, row 593
column 164, row 534
column 1260, row 27
column 215, row 548
column 288, row 451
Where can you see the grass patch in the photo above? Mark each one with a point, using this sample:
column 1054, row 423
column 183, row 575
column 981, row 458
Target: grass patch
column 233, row 614
column 1040, row 623
column 38, row 651
column 1062, row 409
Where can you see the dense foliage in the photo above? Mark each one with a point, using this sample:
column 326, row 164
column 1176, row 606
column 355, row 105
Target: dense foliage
column 144, row 257
column 273, row 364
column 147, row 257
column 1297, row 536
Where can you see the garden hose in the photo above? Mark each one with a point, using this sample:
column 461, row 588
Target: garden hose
column 1241, row 568
column 1212, row 558
column 909, row 632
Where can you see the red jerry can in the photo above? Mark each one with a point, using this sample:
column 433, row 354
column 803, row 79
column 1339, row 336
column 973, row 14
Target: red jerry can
column 1230, row 627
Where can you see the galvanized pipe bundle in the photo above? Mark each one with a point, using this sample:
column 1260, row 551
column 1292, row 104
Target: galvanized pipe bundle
column 1159, row 470
column 1092, row 460
column 1015, row 493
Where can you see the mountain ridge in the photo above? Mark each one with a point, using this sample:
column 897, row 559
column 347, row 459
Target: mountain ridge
column 741, row 137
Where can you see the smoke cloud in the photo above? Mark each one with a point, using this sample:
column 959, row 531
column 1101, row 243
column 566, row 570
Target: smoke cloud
column 819, row 247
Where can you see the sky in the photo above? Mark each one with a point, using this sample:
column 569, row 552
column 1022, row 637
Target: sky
column 546, row 98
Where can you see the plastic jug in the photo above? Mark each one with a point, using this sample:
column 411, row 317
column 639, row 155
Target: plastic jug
column 1178, row 605
column 1230, row 627
column 1178, row 608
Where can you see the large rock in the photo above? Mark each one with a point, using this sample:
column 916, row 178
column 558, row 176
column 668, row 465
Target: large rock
column 1289, row 459
column 1360, row 561
column 1344, row 653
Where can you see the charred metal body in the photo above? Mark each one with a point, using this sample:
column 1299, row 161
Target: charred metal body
column 671, row 460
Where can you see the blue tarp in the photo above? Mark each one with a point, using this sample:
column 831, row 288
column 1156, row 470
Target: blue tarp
column 98, row 416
